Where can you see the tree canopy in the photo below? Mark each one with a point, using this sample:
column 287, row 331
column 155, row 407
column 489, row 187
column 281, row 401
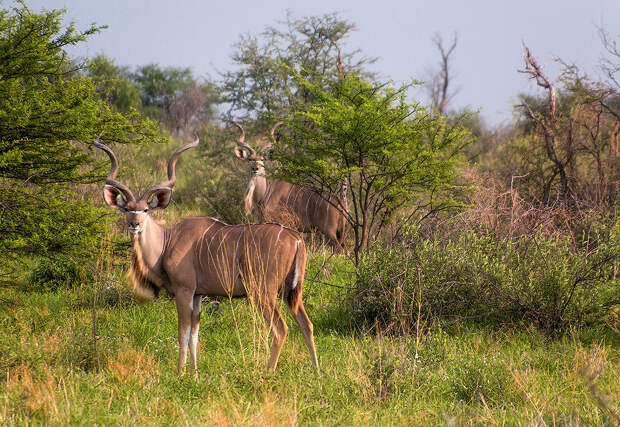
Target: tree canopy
column 49, row 113
column 114, row 83
column 262, row 85
column 390, row 153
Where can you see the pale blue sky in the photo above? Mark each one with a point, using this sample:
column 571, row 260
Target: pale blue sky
column 201, row 34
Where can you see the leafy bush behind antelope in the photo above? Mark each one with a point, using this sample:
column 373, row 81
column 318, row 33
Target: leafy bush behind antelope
column 542, row 280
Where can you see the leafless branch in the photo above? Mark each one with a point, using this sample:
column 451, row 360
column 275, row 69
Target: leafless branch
column 439, row 80
column 611, row 64
column 535, row 71
column 548, row 121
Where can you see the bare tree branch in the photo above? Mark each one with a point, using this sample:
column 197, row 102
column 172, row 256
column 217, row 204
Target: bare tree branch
column 610, row 65
column 439, row 80
column 548, row 121
column 535, row 71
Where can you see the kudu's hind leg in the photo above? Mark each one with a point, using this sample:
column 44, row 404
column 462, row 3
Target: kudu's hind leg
column 193, row 338
column 278, row 329
column 307, row 330
column 184, row 312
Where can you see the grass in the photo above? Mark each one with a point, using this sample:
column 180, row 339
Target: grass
column 465, row 374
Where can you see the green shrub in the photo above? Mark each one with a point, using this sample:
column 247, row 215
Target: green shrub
column 541, row 280
column 54, row 274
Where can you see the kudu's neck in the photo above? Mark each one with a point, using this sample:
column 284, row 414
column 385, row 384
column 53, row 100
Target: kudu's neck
column 256, row 191
column 146, row 273
column 150, row 243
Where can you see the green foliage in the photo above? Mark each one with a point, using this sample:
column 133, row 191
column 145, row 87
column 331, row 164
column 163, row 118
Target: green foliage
column 160, row 85
column 543, row 281
column 40, row 222
column 48, row 113
column 32, row 45
column 51, row 275
column 392, row 154
column 264, row 87
column 42, row 119
column 114, row 83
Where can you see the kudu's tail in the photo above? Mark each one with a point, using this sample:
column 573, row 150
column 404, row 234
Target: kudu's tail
column 295, row 278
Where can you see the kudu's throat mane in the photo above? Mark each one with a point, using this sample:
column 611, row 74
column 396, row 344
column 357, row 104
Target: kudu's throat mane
column 145, row 284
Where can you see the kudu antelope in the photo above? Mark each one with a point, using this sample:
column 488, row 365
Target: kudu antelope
column 203, row 256
column 269, row 197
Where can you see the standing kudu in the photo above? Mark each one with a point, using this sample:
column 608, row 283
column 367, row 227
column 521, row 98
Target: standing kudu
column 269, row 197
column 203, row 256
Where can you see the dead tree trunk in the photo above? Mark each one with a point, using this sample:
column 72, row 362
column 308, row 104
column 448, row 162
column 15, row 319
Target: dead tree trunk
column 547, row 123
column 439, row 80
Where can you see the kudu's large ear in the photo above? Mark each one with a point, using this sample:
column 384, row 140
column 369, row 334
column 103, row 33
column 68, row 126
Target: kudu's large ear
column 241, row 153
column 159, row 198
column 114, row 197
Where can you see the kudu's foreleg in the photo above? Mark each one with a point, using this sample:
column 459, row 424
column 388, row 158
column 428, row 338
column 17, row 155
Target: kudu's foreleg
column 335, row 243
column 185, row 308
column 193, row 337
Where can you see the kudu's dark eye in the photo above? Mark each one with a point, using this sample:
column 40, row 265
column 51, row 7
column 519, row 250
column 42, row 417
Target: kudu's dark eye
column 145, row 210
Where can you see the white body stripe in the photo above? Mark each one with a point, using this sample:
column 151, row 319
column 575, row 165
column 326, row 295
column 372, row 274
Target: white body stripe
column 327, row 206
column 267, row 192
column 223, row 238
column 288, row 195
column 307, row 203
column 218, row 220
column 202, row 240
column 296, row 196
column 237, row 246
column 280, row 232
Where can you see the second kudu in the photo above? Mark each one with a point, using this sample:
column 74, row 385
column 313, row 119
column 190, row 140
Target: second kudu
column 269, row 197
column 202, row 256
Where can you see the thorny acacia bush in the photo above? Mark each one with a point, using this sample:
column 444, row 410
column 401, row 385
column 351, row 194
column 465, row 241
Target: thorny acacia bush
column 541, row 280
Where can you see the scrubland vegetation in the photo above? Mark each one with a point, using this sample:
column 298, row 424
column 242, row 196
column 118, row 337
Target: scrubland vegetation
column 482, row 284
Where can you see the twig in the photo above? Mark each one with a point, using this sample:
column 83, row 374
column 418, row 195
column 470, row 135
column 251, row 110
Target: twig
column 326, row 283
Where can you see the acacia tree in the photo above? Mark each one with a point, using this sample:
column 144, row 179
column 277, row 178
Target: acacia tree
column 390, row 153
column 263, row 86
column 49, row 112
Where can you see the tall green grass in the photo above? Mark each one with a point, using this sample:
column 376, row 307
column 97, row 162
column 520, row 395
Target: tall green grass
column 460, row 374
